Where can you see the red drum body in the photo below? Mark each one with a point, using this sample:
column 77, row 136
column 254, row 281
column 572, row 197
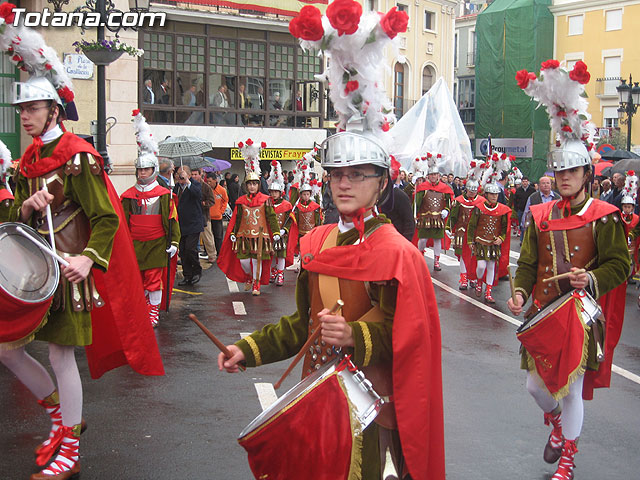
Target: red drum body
column 314, row 431
column 28, row 279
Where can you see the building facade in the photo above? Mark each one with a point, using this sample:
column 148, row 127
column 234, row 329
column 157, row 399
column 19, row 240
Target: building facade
column 465, row 50
column 602, row 34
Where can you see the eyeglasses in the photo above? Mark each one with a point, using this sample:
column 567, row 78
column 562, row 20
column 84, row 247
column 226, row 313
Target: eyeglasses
column 28, row 110
column 353, row 177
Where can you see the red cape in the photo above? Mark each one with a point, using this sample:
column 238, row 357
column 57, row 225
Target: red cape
column 417, row 371
column 468, row 259
column 172, row 264
column 292, row 240
column 505, row 247
column 439, row 187
column 612, row 302
column 307, row 208
column 122, row 333
column 227, row 259
column 5, row 195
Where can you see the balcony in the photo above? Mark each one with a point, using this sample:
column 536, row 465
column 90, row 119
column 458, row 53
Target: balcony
column 471, row 59
column 606, row 87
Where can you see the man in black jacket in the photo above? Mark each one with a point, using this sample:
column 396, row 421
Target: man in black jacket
column 189, row 192
column 521, row 196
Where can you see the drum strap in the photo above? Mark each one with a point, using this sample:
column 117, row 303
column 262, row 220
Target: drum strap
column 563, row 263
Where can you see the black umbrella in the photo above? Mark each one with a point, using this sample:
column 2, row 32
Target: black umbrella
column 625, row 165
column 619, row 155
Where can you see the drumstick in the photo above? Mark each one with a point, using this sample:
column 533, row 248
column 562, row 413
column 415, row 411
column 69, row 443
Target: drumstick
column 49, row 217
column 42, row 246
column 513, row 288
column 314, row 336
column 564, row 275
column 214, row 339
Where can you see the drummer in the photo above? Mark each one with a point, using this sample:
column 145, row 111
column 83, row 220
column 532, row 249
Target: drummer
column 86, row 225
column 593, row 239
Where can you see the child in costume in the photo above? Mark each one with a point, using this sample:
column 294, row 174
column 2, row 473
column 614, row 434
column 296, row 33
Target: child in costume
column 461, row 211
column 6, row 197
column 489, row 228
column 576, row 232
column 151, row 214
column 362, row 247
column 308, row 214
column 284, row 247
column 253, row 228
column 630, row 219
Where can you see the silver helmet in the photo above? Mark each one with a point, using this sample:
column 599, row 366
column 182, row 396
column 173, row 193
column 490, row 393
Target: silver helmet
column 147, row 160
column 492, row 188
column 346, row 149
column 472, row 185
column 628, row 199
column 305, row 187
column 572, row 154
column 40, row 88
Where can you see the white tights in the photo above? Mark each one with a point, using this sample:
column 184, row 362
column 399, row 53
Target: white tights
column 246, row 264
column 463, row 267
column 572, row 404
column 154, row 297
column 278, row 263
column 34, row 376
column 437, row 247
column 489, row 266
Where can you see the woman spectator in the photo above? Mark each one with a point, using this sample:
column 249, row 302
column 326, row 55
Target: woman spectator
column 234, row 190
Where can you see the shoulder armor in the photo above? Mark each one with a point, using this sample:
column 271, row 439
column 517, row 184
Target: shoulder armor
column 616, row 217
column 604, row 219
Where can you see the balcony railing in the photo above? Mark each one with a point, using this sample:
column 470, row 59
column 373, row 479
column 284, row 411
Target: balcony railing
column 606, row 86
column 471, row 59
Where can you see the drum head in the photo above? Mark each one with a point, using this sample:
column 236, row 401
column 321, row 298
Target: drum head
column 26, row 272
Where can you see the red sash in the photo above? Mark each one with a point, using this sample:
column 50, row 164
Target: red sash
column 558, row 346
column 146, row 227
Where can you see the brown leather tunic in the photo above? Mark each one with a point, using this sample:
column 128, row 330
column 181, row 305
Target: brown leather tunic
column 306, row 221
column 429, row 213
column 488, row 228
column 460, row 228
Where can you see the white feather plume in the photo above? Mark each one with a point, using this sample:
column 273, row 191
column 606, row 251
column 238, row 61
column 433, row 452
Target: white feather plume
column 144, row 137
column 5, row 160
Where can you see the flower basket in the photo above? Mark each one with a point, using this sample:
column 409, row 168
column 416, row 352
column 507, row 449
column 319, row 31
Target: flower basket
column 103, row 57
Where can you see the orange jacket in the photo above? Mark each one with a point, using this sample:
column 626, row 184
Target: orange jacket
column 222, row 199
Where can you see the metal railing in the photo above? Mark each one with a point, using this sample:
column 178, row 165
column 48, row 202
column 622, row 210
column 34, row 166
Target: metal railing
column 606, row 86
column 471, row 59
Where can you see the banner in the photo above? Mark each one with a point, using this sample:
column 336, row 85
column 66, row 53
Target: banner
column 273, row 154
column 518, row 147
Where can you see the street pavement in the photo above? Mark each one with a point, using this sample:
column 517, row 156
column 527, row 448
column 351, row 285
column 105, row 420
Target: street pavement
column 185, row 424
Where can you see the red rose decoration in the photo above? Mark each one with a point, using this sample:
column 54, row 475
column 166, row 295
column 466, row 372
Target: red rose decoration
column 319, row 184
column 473, row 164
column 394, row 22
column 344, row 16
column 240, row 145
column 274, row 163
column 549, row 64
column 439, row 155
column 579, row 73
column 385, row 127
column 308, row 24
column 48, row 66
column 263, row 145
column 567, row 128
column 249, row 142
column 429, row 155
column 351, row 86
column 135, row 112
column 66, row 94
column 304, row 167
column 6, row 12
column 503, row 156
column 512, row 158
column 631, row 173
column 523, row 78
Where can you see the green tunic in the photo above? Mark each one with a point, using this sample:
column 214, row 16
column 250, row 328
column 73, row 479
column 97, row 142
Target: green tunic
column 152, row 253
column 434, row 233
column 453, row 219
column 611, row 268
column 276, row 342
column 66, row 327
column 272, row 221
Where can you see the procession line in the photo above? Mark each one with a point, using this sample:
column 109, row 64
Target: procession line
column 233, row 286
column 449, row 261
column 238, row 308
column 184, row 291
column 620, row 371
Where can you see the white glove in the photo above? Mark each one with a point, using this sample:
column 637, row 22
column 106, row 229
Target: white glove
column 276, row 237
column 444, row 213
column 232, row 237
column 282, row 232
column 172, row 250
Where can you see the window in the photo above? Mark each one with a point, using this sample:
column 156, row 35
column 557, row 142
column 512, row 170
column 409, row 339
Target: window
column 402, row 8
column 471, row 48
column 371, row 5
column 398, row 89
column 429, row 20
column 575, row 24
column 428, row 74
column 467, row 93
column 611, row 70
column 571, row 64
column 610, row 117
column 455, row 50
column 202, row 79
column 613, row 19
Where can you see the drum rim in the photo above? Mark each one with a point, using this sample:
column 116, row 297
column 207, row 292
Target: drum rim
column 56, row 271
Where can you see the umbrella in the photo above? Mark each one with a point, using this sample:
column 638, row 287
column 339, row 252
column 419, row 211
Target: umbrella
column 174, row 147
column 618, row 155
column 601, row 166
column 218, row 165
column 193, row 161
column 624, row 165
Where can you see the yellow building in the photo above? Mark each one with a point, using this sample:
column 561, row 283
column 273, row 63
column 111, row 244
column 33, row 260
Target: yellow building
column 603, row 35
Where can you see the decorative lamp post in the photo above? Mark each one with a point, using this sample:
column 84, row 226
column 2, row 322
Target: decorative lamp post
column 629, row 100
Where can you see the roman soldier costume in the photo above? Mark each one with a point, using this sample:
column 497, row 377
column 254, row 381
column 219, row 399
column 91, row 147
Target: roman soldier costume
column 630, row 219
column 84, row 219
column 152, row 217
column 432, row 204
column 561, row 236
column 389, row 302
column 6, row 197
column 461, row 211
column 285, row 246
column 308, row 214
column 253, row 228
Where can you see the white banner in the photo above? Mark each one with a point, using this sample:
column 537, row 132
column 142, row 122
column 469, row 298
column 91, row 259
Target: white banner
column 518, row 147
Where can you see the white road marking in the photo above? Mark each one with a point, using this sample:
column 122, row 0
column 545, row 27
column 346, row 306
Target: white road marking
column 233, row 286
column 266, row 394
column 244, row 334
column 238, row 308
column 513, row 254
column 615, row 369
column 445, row 259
